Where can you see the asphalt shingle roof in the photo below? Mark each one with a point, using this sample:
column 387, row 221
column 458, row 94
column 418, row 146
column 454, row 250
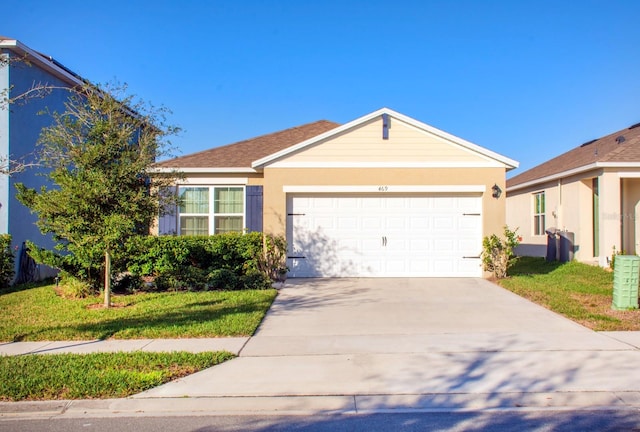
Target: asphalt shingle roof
column 243, row 153
column 609, row 148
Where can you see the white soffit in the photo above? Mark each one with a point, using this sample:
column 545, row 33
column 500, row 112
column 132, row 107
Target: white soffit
column 508, row 163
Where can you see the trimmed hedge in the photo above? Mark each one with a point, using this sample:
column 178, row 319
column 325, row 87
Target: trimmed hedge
column 222, row 261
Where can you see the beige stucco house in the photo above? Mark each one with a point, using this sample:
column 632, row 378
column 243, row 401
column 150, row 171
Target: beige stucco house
column 383, row 195
column 592, row 191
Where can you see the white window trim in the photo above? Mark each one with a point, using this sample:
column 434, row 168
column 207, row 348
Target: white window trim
column 211, row 214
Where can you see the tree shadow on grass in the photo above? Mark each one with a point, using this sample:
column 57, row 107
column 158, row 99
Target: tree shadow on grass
column 151, row 324
column 529, row 266
column 25, row 286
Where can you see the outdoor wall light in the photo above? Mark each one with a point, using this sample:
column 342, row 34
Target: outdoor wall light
column 496, row 191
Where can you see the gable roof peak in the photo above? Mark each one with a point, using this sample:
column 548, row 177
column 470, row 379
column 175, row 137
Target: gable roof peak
column 508, row 163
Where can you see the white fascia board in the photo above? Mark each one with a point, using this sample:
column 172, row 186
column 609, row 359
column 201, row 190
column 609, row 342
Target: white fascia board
column 508, row 163
column 555, row 176
column 384, row 188
column 285, row 164
column 205, row 170
column 40, row 60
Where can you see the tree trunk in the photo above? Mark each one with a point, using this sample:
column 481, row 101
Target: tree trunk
column 107, row 279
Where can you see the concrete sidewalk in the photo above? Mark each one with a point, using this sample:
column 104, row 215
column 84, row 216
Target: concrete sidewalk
column 233, row 345
column 384, row 345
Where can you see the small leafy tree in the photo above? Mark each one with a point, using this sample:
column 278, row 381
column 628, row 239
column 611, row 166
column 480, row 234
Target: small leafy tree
column 100, row 155
column 497, row 253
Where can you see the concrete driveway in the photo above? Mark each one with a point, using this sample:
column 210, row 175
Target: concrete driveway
column 371, row 344
column 347, row 316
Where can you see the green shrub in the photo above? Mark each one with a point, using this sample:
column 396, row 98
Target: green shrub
column 497, row 254
column 223, row 279
column 273, row 259
column 172, row 263
column 72, row 287
column 255, row 279
column 7, row 263
column 126, row 283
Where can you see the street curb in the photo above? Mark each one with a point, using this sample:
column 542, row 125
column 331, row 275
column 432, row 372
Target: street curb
column 321, row 405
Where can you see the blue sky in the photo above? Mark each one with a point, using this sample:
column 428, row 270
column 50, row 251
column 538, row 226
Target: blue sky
column 527, row 79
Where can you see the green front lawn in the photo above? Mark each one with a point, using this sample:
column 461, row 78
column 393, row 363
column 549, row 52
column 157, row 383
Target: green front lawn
column 101, row 375
column 578, row 291
column 31, row 314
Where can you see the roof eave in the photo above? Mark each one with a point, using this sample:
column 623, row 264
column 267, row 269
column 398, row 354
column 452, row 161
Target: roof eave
column 207, row 170
column 555, row 176
column 571, row 172
column 37, row 58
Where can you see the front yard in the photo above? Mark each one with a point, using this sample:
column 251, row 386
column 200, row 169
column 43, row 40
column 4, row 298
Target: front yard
column 32, row 314
column 581, row 292
column 39, row 313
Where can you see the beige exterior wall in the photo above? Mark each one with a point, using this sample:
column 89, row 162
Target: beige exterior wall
column 405, row 144
column 519, row 209
column 569, row 207
column 277, row 178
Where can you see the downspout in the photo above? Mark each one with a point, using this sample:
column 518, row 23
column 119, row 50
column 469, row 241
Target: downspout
column 559, row 214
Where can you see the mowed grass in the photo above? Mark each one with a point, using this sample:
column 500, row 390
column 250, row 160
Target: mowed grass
column 33, row 314
column 101, row 375
column 578, row 291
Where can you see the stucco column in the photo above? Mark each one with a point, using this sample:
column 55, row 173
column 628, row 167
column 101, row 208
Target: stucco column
column 610, row 223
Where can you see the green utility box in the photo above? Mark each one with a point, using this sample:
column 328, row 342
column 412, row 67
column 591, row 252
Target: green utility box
column 625, row 282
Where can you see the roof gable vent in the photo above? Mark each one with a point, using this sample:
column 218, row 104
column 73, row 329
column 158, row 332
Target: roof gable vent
column 620, row 139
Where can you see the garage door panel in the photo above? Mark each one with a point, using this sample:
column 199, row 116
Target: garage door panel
column 371, row 223
column 384, row 235
column 442, row 223
column 347, row 223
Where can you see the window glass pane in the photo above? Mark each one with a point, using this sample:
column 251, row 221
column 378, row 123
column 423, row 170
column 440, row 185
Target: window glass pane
column 538, row 214
column 194, row 225
column 228, row 200
column 194, row 200
column 225, row 224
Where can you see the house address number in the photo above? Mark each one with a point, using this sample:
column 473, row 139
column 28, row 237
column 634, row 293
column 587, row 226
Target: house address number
column 383, row 188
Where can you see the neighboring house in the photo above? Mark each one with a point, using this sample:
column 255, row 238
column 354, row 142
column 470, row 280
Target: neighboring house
column 592, row 191
column 383, row 195
column 20, row 125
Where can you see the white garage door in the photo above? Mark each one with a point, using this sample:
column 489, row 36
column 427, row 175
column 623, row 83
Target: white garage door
column 384, row 235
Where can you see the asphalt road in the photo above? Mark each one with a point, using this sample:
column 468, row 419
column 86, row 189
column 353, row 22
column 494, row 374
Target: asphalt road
column 542, row 420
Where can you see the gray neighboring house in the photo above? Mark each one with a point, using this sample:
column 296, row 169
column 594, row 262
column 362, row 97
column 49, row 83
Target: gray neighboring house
column 20, row 126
